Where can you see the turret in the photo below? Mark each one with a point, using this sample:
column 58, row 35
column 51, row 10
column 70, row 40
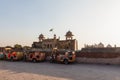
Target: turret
column 41, row 37
column 69, row 35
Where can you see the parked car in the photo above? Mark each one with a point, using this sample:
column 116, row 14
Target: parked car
column 63, row 56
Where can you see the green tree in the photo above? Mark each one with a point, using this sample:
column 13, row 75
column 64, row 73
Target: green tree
column 18, row 46
column 26, row 47
column 8, row 46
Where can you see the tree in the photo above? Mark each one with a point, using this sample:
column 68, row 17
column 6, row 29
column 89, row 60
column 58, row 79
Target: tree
column 8, row 47
column 17, row 46
column 26, row 47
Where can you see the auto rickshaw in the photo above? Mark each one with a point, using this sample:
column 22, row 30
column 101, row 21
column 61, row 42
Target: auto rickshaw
column 34, row 55
column 2, row 56
column 63, row 56
column 14, row 55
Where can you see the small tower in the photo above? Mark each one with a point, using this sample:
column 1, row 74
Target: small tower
column 54, row 36
column 41, row 37
column 69, row 35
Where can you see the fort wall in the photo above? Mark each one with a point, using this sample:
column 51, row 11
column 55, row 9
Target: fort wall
column 99, row 56
column 98, row 60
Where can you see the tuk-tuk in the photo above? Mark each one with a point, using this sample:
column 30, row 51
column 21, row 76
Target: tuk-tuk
column 14, row 55
column 2, row 55
column 64, row 56
column 34, row 55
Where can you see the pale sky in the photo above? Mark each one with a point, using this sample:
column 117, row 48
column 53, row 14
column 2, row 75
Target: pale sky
column 91, row 21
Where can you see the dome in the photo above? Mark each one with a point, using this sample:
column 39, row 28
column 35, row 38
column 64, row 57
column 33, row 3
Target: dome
column 69, row 33
column 41, row 36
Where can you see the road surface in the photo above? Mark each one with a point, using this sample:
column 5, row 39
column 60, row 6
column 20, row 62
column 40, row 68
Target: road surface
column 49, row 71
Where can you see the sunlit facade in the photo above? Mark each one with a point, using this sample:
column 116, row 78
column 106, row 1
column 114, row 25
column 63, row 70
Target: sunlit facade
column 68, row 44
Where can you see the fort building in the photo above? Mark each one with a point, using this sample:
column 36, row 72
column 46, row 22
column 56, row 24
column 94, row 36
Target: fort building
column 68, row 44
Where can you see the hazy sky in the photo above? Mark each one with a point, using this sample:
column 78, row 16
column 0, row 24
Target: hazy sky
column 91, row 21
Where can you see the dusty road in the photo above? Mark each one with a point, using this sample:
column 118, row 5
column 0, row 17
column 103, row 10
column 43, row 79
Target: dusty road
column 48, row 71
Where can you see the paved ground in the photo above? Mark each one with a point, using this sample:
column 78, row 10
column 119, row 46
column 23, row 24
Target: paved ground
column 48, row 71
